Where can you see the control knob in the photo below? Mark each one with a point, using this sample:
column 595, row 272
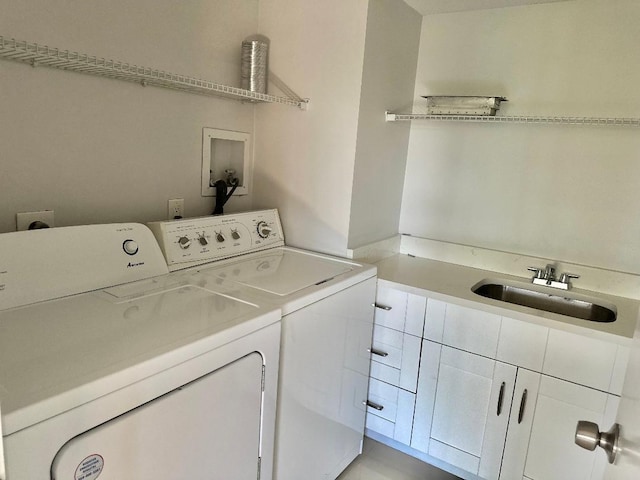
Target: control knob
column 220, row 238
column 264, row 229
column 184, row 242
column 235, row 235
column 203, row 240
column 130, row 247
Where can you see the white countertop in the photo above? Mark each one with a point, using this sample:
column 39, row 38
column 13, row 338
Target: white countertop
column 452, row 283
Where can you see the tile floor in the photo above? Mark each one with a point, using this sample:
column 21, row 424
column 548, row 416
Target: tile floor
column 379, row 462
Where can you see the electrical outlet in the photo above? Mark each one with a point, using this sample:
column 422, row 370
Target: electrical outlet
column 175, row 208
column 26, row 219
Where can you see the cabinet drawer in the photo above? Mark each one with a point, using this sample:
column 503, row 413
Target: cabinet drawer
column 387, row 346
column 471, row 330
column 400, row 311
column 414, row 320
column 579, row 359
column 383, row 400
column 460, row 327
column 384, row 373
column 391, row 308
column 394, row 416
column 522, row 344
column 395, row 357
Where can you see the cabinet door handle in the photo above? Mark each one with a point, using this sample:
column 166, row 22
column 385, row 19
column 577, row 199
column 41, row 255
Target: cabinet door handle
column 523, row 403
column 500, row 398
column 381, row 307
column 379, row 353
column 373, row 405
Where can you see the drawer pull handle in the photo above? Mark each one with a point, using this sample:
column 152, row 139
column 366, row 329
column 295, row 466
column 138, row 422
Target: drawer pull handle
column 381, row 307
column 523, row 403
column 379, row 353
column 373, row 405
column 500, row 398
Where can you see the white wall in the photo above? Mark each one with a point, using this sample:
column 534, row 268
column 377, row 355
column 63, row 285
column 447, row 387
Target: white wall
column 390, row 59
column 305, row 160
column 100, row 150
column 561, row 192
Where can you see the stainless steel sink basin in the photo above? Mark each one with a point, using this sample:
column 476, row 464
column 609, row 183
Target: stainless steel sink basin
column 544, row 298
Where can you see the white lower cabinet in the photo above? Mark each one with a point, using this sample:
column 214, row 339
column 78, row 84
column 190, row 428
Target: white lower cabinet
column 471, row 409
column 550, row 453
column 395, row 356
column 463, row 406
column 498, row 421
column 487, row 399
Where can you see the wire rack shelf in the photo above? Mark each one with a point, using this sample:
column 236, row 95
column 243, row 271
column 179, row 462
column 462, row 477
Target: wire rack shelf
column 42, row 55
column 593, row 121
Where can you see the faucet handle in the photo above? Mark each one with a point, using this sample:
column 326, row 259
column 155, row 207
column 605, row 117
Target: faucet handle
column 537, row 272
column 566, row 277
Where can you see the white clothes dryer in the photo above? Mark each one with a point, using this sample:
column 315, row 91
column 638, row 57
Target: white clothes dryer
column 327, row 307
column 112, row 369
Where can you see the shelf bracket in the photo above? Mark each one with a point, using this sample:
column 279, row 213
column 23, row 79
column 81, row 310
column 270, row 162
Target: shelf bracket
column 275, row 80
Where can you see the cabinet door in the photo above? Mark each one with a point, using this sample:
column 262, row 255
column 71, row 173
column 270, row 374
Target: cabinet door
column 520, row 422
column 552, row 454
column 471, row 410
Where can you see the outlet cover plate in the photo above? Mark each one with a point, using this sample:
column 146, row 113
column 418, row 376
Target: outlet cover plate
column 175, row 208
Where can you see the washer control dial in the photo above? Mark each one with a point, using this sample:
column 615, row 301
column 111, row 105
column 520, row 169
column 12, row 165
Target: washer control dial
column 235, row 235
column 263, row 229
column 219, row 237
column 184, row 242
column 130, row 247
column 203, row 240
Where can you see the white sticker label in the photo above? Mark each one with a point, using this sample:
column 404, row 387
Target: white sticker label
column 90, row 468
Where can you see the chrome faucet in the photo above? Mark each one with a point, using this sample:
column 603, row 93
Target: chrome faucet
column 547, row 277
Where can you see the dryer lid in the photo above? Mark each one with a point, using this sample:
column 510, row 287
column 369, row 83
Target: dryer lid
column 59, row 354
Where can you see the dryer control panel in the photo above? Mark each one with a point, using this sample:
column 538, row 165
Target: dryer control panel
column 195, row 241
column 39, row 265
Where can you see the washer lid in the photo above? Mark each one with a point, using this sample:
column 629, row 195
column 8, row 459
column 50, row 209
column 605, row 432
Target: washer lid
column 281, row 271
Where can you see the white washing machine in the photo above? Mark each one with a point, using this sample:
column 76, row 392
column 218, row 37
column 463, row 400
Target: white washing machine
column 149, row 378
column 327, row 324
